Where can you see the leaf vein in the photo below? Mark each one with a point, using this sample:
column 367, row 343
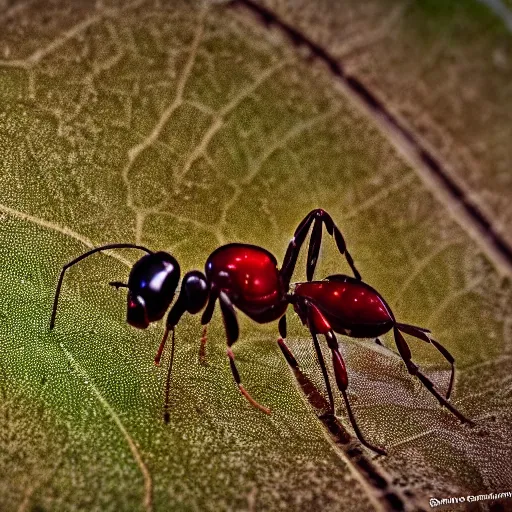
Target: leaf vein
column 219, row 116
column 148, row 482
column 135, row 151
column 60, row 229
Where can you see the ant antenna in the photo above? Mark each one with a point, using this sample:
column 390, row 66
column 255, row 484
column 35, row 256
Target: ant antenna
column 80, row 258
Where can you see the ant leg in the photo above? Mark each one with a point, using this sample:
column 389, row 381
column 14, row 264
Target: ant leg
column 80, row 258
column 205, row 320
column 413, row 369
column 306, row 383
column 202, row 347
column 160, row 350
column 168, row 382
column 232, row 332
column 208, row 312
column 290, row 358
column 321, row 361
column 420, row 334
column 314, row 248
column 244, row 392
column 332, row 229
column 173, row 317
column 317, row 217
column 340, row 373
column 317, row 323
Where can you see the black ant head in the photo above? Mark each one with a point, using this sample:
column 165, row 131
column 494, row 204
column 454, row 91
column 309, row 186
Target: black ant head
column 151, row 286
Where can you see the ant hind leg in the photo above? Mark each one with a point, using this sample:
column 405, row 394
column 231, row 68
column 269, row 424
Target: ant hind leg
column 321, row 361
column 413, row 369
column 420, row 333
column 340, row 372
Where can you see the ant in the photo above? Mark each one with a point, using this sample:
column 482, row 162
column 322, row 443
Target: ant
column 247, row 277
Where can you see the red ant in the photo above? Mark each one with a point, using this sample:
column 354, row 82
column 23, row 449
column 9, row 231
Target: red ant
column 247, row 277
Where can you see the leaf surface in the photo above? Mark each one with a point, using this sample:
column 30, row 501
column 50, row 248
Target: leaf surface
column 182, row 128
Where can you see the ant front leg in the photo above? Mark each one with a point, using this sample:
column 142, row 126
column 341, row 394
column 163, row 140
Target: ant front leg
column 232, row 332
column 172, row 320
column 317, row 218
column 173, row 317
column 193, row 297
column 202, row 347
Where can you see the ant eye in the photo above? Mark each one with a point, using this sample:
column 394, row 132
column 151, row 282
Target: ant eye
column 136, row 314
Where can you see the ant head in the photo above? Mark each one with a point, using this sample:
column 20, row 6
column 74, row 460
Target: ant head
column 151, row 286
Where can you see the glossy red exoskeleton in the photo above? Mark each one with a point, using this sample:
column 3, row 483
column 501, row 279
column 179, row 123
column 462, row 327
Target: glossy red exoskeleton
column 247, row 277
column 344, row 305
column 236, row 275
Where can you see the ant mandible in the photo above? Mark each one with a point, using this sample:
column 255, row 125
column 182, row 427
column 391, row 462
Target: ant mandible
column 247, row 277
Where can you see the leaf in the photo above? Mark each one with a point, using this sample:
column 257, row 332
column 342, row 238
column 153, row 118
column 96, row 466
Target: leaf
column 183, row 127
column 443, row 69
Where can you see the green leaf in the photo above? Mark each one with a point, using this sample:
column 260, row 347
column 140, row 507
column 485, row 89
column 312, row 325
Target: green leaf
column 183, row 127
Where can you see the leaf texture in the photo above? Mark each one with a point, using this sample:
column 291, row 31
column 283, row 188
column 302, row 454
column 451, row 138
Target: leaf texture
column 182, row 127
